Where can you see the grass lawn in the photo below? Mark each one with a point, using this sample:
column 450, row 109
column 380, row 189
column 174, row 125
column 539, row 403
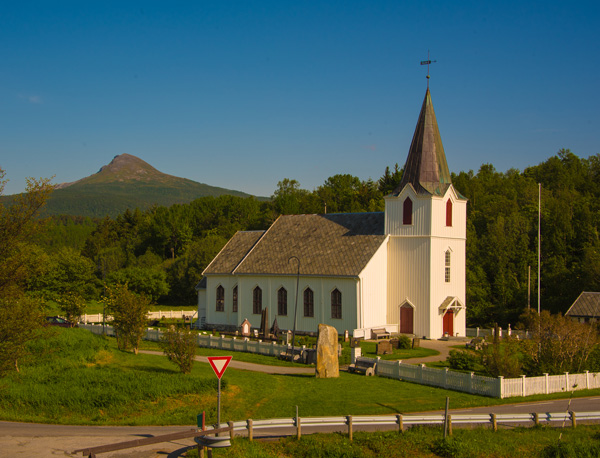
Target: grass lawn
column 81, row 378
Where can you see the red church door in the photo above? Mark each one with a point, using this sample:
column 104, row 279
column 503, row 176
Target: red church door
column 406, row 319
column 449, row 323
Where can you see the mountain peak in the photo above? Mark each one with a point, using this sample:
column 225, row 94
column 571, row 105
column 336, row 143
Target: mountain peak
column 128, row 167
column 123, row 168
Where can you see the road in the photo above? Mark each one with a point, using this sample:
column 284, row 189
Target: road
column 37, row 440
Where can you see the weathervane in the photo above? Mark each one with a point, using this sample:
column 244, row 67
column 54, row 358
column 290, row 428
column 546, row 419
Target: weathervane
column 427, row 62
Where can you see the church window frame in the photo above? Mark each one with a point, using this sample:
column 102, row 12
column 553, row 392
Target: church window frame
column 447, row 266
column 220, row 299
column 257, row 300
column 449, row 213
column 282, row 301
column 336, row 304
column 234, row 302
column 309, row 303
column 407, row 211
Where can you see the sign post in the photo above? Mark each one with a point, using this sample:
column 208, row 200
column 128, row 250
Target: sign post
column 219, row 364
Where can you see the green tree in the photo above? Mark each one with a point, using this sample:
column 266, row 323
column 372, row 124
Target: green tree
column 150, row 281
column 558, row 344
column 21, row 317
column 179, row 346
column 129, row 312
column 289, row 198
column 72, row 305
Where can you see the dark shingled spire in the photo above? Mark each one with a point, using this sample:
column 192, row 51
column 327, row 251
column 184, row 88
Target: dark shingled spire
column 426, row 167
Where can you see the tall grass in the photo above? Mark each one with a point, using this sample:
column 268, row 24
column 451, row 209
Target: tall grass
column 74, row 378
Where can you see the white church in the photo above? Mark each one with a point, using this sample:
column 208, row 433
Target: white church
column 402, row 270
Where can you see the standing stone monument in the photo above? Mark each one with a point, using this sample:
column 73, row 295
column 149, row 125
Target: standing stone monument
column 327, row 355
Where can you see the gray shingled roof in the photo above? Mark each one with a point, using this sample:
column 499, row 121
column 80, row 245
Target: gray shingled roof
column 327, row 245
column 233, row 252
column 586, row 305
column 426, row 167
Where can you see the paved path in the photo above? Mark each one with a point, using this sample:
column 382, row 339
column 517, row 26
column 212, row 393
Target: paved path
column 284, row 370
column 442, row 346
column 37, row 440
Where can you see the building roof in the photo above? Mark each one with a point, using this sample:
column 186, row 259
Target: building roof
column 586, row 305
column 426, row 168
column 233, row 252
column 327, row 245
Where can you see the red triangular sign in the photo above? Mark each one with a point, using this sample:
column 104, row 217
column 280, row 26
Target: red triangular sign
column 219, row 364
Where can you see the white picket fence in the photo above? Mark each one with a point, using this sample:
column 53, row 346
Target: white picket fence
column 168, row 314
column 485, row 332
column 499, row 387
column 209, row 341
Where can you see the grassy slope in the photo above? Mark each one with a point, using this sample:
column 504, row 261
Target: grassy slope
column 84, row 379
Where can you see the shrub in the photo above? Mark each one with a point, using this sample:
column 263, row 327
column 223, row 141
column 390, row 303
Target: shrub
column 404, row 342
column 462, row 360
column 179, row 345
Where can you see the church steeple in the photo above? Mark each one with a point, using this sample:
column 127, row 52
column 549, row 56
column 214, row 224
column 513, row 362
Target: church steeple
column 426, row 167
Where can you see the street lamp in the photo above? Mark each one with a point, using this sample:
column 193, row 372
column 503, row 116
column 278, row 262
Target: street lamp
column 296, row 306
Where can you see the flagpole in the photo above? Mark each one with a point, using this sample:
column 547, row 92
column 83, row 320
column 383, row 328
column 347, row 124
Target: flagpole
column 539, row 241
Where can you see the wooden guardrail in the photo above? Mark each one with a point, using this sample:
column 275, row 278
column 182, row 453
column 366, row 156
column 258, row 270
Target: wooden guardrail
column 91, row 452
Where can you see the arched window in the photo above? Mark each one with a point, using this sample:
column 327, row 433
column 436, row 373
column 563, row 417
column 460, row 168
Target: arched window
column 336, row 304
column 449, row 213
column 257, row 301
column 447, row 267
column 309, row 307
column 220, row 298
column 407, row 211
column 282, row 301
column 234, row 307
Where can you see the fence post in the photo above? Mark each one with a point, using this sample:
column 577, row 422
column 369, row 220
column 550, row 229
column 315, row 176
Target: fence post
column 587, row 380
column 232, row 432
column 400, row 421
column 573, row 419
column 536, row 418
column 298, row 428
column 567, row 381
column 494, row 422
column 421, row 366
column 523, row 389
column 449, row 425
column 501, row 386
column 546, row 382
column 471, row 382
column 249, row 426
column 445, row 377
column 349, row 420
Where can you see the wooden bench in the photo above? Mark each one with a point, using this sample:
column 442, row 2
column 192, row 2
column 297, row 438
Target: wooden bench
column 363, row 366
column 380, row 333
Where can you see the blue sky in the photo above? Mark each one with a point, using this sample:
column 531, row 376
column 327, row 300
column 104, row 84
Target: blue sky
column 243, row 94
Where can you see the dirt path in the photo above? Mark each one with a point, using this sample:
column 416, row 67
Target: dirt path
column 282, row 370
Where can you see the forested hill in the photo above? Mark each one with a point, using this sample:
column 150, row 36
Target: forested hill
column 126, row 183
column 163, row 250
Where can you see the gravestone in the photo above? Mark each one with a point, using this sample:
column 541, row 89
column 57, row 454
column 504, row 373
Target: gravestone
column 275, row 328
column 246, row 328
column 327, row 355
column 384, row 347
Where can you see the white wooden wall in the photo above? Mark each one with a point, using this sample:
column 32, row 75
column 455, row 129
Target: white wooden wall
column 321, row 286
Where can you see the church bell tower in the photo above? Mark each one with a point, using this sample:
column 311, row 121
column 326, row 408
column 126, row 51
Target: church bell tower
column 426, row 219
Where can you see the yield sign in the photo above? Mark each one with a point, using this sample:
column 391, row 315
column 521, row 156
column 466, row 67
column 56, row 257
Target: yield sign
column 219, row 364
